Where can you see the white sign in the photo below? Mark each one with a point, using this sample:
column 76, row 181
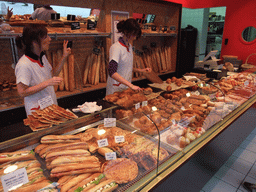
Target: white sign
column 110, row 122
column 102, row 142
column 119, row 139
column 110, row 156
column 14, row 179
column 144, row 103
column 137, row 106
column 45, row 102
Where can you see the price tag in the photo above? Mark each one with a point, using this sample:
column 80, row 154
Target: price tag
column 110, row 122
column 182, row 108
column 119, row 139
column 45, row 102
column 110, row 156
column 144, row 103
column 75, row 25
column 137, row 105
column 14, row 179
column 246, row 83
column 102, row 142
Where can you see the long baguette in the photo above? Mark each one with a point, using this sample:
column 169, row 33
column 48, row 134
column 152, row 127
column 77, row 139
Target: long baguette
column 66, row 76
column 103, row 65
column 16, row 156
column 61, row 74
column 76, row 152
column 71, row 70
column 78, row 171
column 103, row 184
column 87, row 67
column 74, row 181
column 75, row 166
column 69, row 160
column 61, row 146
column 159, row 64
column 163, row 59
column 35, row 187
column 60, row 138
column 96, row 82
column 54, row 64
column 93, row 70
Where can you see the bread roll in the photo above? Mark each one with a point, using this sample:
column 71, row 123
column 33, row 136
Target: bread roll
column 104, row 150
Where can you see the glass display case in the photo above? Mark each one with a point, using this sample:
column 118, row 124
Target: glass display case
column 152, row 133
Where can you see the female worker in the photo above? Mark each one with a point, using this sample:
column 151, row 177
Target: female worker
column 120, row 67
column 35, row 76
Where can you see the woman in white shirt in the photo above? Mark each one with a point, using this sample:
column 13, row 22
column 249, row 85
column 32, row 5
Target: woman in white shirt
column 35, row 76
column 120, row 66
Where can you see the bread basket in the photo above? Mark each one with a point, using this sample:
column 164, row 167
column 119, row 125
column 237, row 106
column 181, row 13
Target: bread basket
column 247, row 66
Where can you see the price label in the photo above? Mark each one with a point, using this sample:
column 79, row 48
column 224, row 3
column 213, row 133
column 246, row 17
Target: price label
column 144, row 103
column 102, row 142
column 45, row 102
column 110, row 156
column 119, row 139
column 182, row 108
column 14, row 179
column 110, row 122
column 246, row 83
column 75, row 25
column 137, row 105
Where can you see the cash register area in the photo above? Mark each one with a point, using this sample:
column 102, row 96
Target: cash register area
column 240, row 167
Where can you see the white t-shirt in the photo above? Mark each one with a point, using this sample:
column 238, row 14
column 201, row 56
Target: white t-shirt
column 30, row 72
column 42, row 14
column 124, row 58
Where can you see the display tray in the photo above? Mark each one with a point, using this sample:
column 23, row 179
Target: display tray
column 163, row 86
column 149, row 144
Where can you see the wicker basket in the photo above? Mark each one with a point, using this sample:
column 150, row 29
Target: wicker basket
column 247, row 66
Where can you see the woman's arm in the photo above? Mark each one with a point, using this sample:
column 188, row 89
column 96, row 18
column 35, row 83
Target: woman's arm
column 147, row 70
column 120, row 79
column 66, row 52
column 25, row 90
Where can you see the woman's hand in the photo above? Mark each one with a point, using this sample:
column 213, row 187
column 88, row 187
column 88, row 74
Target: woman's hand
column 9, row 13
column 135, row 88
column 66, row 51
column 54, row 81
column 147, row 70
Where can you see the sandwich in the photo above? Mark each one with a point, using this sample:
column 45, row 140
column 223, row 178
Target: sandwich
column 60, row 139
column 73, row 153
column 16, row 156
column 61, row 146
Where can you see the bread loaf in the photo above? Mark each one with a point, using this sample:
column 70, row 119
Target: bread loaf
column 61, row 74
column 54, row 64
column 71, row 70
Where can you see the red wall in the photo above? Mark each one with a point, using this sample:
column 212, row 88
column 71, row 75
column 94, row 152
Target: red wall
column 239, row 15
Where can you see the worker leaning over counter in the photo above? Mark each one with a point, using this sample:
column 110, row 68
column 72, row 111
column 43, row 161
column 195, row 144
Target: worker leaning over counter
column 120, row 67
column 35, row 76
column 43, row 13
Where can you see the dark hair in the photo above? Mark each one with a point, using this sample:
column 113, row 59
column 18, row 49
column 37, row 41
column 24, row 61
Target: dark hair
column 129, row 27
column 31, row 32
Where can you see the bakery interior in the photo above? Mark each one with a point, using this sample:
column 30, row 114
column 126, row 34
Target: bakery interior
column 185, row 35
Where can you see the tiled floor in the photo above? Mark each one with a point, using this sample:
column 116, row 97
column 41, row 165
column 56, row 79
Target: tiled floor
column 240, row 167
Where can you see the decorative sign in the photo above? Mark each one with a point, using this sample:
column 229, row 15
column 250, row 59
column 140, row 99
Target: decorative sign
column 45, row 102
column 14, row 179
column 102, row 142
column 110, row 122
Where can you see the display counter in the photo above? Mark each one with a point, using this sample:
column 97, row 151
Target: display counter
column 185, row 119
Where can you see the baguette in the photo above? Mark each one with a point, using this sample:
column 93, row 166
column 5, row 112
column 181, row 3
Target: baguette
column 71, row 71
column 66, row 76
column 96, row 81
column 61, row 146
column 75, row 166
column 87, row 67
column 107, row 185
column 74, row 181
column 104, row 79
column 54, row 64
column 93, row 69
column 60, row 139
column 65, row 179
column 59, row 161
column 34, row 187
column 89, row 182
column 77, row 152
column 77, row 171
column 16, row 156
column 61, row 74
